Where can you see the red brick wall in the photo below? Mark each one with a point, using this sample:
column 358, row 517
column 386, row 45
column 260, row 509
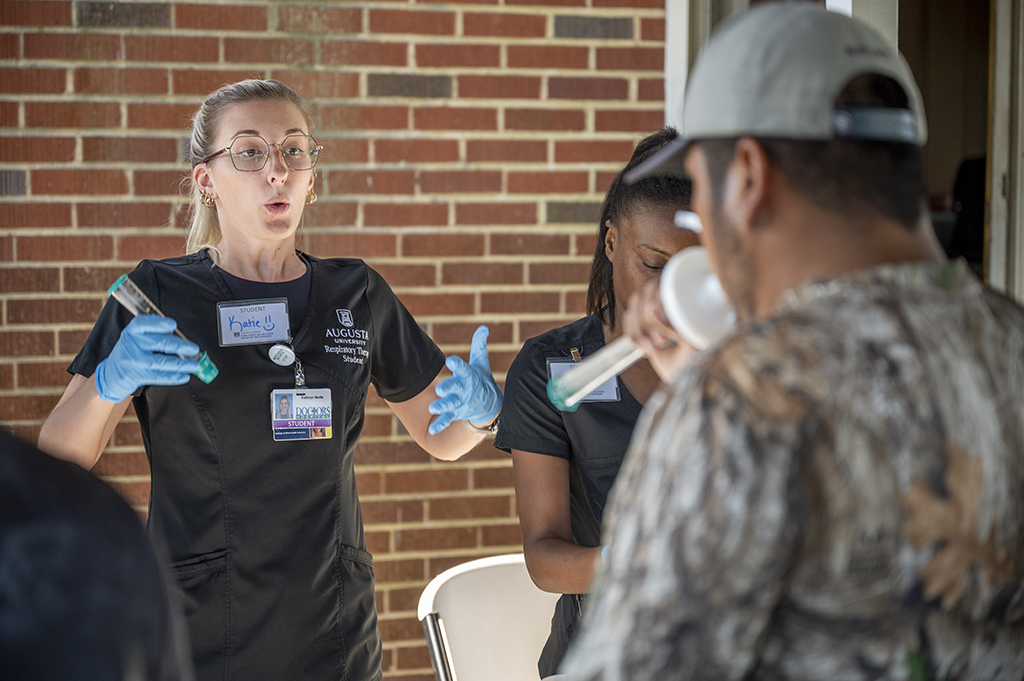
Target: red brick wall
column 467, row 148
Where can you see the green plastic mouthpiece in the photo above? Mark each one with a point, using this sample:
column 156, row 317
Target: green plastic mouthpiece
column 117, row 284
column 559, row 396
column 207, row 369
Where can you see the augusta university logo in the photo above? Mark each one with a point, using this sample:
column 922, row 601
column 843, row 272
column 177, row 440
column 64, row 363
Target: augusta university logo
column 345, row 318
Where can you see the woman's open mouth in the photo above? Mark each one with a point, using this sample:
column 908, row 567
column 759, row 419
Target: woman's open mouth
column 277, row 207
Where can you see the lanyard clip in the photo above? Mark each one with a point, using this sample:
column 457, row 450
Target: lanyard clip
column 300, row 376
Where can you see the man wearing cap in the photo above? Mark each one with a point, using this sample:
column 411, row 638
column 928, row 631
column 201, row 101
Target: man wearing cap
column 836, row 490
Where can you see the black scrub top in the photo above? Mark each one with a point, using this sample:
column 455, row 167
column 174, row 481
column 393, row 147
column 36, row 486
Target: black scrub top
column 266, row 538
column 593, row 439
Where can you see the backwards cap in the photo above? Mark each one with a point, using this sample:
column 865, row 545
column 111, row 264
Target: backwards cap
column 775, row 71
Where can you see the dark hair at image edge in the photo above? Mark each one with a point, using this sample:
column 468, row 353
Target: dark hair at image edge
column 620, row 201
column 83, row 596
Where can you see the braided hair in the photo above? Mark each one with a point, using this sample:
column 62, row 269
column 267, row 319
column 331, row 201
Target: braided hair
column 622, row 199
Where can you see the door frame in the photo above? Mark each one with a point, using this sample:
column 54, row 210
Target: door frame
column 1004, row 182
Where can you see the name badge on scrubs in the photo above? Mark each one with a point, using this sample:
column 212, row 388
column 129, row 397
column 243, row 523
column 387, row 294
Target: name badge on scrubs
column 301, row 413
column 252, row 322
column 606, row 392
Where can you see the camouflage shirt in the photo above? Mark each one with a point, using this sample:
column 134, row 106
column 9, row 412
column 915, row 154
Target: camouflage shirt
column 836, row 492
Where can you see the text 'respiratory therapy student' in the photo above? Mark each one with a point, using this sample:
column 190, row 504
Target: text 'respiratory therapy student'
column 253, row 487
column 565, row 462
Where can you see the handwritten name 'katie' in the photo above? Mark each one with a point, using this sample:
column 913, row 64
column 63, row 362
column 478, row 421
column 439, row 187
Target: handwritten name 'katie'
column 251, row 323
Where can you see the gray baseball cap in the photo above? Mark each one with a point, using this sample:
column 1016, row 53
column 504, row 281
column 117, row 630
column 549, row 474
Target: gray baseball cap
column 775, row 71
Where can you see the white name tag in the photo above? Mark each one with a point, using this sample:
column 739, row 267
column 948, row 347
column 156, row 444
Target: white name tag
column 252, row 322
column 606, row 392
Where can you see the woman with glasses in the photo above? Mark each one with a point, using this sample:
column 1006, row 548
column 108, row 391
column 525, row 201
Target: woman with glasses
column 256, row 504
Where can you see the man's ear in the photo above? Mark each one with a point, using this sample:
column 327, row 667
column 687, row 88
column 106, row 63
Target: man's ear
column 746, row 185
column 611, row 239
column 201, row 176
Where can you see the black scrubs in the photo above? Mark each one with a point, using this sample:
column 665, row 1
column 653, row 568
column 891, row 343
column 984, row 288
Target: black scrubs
column 593, row 439
column 266, row 537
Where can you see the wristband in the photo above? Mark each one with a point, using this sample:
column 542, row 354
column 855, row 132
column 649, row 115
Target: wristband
column 489, row 429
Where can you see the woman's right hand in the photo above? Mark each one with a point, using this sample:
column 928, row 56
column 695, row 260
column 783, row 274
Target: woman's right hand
column 145, row 354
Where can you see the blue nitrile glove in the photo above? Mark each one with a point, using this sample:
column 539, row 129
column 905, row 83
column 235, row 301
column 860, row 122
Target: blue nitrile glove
column 145, row 354
column 471, row 394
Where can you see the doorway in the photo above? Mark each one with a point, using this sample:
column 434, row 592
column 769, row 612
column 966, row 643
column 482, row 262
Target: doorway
column 946, row 43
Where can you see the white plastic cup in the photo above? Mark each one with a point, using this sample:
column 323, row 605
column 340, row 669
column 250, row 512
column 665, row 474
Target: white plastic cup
column 694, row 300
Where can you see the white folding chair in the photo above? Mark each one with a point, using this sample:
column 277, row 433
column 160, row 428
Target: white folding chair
column 486, row 620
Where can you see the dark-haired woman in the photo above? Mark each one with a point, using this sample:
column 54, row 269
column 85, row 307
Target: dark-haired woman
column 565, row 463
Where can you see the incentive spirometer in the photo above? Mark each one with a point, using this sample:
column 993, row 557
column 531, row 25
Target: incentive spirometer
column 135, row 301
column 694, row 303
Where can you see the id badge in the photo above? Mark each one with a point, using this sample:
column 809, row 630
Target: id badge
column 252, row 322
column 301, row 413
column 606, row 392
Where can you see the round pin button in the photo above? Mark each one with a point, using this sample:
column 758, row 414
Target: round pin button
column 282, row 355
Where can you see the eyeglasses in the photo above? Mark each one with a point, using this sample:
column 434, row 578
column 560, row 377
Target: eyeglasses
column 250, row 153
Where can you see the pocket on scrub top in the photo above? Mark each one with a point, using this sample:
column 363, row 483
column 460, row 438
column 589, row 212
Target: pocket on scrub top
column 599, row 474
column 359, row 617
column 602, row 463
column 602, row 471
column 202, row 583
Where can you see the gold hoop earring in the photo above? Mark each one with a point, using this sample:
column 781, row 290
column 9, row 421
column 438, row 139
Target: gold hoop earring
column 207, row 200
column 310, row 197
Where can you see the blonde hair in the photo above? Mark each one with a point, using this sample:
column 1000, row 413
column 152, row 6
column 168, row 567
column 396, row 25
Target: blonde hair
column 204, row 229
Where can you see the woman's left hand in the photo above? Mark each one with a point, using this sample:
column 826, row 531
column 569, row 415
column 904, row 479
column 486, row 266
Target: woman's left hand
column 472, row 393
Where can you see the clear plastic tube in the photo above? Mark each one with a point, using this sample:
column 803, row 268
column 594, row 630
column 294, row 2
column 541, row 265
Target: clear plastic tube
column 135, row 301
column 568, row 389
